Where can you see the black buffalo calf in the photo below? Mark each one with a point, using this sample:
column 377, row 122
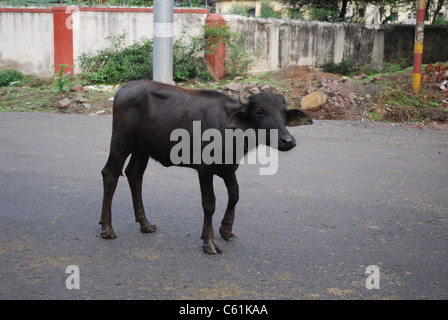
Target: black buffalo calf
column 146, row 113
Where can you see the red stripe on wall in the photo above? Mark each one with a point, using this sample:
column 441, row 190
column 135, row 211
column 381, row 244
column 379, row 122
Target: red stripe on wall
column 63, row 39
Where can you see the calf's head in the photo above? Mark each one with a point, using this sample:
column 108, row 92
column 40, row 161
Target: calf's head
column 268, row 111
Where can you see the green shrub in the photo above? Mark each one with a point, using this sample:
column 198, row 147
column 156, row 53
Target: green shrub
column 344, row 67
column 321, row 14
column 441, row 21
column 7, row 76
column 120, row 63
column 238, row 9
column 238, row 59
column 187, row 61
column 267, row 11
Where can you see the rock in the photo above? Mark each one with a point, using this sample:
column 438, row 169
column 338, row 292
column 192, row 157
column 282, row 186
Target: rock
column 360, row 77
column 374, row 66
column 238, row 79
column 254, row 90
column 351, row 97
column 314, row 100
column 64, row 103
column 76, row 88
column 266, row 87
column 102, row 88
column 234, row 86
column 80, row 100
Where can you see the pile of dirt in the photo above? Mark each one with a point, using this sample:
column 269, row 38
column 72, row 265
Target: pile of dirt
column 386, row 97
column 436, row 73
column 337, row 98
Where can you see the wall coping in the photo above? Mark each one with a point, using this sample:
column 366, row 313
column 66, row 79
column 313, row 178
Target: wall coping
column 97, row 9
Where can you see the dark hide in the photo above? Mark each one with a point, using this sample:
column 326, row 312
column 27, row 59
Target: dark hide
column 144, row 115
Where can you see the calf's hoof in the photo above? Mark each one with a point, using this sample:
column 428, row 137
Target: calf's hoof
column 225, row 234
column 146, row 227
column 211, row 247
column 108, row 233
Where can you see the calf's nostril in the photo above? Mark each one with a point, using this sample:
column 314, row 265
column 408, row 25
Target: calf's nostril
column 287, row 139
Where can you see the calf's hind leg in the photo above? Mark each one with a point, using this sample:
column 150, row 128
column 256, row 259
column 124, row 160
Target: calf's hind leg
column 111, row 172
column 134, row 171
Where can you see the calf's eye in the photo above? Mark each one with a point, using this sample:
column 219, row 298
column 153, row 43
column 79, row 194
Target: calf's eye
column 259, row 111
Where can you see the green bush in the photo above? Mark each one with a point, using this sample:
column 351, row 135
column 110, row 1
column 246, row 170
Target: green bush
column 120, row 63
column 187, row 62
column 267, row 11
column 238, row 60
column 7, row 76
column 441, row 21
column 344, row 67
column 238, row 9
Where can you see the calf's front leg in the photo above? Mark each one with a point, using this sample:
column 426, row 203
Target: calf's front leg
column 233, row 192
column 210, row 245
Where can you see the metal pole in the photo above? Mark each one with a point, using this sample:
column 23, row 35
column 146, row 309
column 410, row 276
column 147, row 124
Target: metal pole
column 418, row 46
column 163, row 41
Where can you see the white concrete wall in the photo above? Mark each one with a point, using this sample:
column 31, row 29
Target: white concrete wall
column 26, row 38
column 26, row 42
column 91, row 28
column 278, row 43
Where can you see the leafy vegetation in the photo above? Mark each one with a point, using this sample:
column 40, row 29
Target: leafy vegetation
column 238, row 59
column 8, row 76
column 441, row 21
column 267, row 11
column 345, row 67
column 336, row 10
column 118, row 63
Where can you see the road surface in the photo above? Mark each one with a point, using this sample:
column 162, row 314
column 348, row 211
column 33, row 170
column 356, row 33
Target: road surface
column 350, row 196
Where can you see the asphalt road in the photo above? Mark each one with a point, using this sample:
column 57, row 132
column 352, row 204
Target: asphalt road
column 349, row 196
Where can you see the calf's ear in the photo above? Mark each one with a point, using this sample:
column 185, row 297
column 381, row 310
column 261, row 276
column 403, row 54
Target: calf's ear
column 239, row 120
column 296, row 117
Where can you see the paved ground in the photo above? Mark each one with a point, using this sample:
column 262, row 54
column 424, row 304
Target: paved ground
column 350, row 195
